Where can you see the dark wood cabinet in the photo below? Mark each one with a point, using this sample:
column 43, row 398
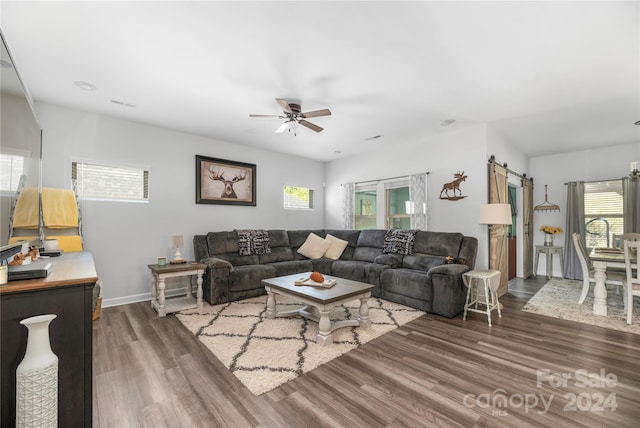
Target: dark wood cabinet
column 513, row 260
column 66, row 292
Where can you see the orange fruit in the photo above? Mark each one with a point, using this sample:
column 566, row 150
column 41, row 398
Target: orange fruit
column 317, row 277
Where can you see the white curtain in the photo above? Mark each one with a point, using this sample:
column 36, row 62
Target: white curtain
column 348, row 214
column 418, row 201
column 631, row 201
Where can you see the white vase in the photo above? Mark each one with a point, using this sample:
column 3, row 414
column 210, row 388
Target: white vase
column 37, row 377
column 548, row 239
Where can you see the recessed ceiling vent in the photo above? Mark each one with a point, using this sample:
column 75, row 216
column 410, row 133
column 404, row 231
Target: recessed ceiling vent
column 124, row 104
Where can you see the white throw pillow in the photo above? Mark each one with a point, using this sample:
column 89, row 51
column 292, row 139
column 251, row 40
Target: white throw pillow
column 314, row 247
column 336, row 248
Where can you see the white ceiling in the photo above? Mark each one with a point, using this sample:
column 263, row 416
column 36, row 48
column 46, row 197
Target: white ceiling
column 550, row 77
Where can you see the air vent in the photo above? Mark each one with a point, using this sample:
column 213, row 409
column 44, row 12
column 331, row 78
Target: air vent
column 124, row 103
column 85, row 86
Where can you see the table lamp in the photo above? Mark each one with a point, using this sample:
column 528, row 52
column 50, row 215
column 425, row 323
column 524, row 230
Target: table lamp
column 177, row 242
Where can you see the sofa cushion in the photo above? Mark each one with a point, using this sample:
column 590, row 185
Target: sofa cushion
column 293, row 266
column 408, row 282
column 358, row 271
column 370, row 243
column 438, row 243
column 280, row 248
column 422, row 262
column 222, row 242
column 314, row 247
column 393, row 260
column 237, row 260
column 336, row 247
column 245, row 278
column 399, row 241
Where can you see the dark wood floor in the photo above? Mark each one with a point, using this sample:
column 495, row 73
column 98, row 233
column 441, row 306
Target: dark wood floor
column 434, row 371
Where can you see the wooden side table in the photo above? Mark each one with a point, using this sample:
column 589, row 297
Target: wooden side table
column 482, row 284
column 175, row 304
column 549, row 252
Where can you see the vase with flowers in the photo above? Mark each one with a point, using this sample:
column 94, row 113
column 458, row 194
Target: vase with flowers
column 549, row 233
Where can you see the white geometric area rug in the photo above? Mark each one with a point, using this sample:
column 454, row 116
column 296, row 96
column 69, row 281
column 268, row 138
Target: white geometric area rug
column 558, row 298
column 264, row 353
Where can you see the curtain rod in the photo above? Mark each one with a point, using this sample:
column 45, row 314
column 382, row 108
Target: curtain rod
column 510, row 171
column 385, row 179
column 600, row 181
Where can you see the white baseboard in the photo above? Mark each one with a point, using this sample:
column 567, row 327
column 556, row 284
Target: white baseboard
column 135, row 298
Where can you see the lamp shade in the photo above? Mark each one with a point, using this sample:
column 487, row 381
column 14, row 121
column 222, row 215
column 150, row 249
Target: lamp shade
column 177, row 240
column 495, row 214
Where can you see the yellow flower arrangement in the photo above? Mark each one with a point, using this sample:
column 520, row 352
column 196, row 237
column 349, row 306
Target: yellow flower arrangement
column 551, row 230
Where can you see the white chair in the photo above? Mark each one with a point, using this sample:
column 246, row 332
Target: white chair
column 613, row 278
column 618, row 239
column 631, row 255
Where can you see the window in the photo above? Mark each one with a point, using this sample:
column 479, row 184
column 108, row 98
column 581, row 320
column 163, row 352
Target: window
column 366, row 201
column 297, row 198
column 603, row 212
column 11, row 168
column 390, row 197
column 397, row 199
column 107, row 182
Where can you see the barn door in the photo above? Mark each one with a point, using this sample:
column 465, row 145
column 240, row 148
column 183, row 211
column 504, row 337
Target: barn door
column 498, row 251
column 527, row 227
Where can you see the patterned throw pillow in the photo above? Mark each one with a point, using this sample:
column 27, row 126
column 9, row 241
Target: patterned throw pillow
column 244, row 242
column 399, row 241
column 253, row 242
column 260, row 242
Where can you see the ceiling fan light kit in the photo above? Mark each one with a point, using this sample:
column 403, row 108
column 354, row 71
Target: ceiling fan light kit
column 293, row 114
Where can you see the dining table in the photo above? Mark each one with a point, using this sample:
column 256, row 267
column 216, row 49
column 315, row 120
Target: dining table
column 603, row 258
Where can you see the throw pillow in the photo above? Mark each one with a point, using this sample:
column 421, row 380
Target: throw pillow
column 314, row 247
column 399, row 241
column 336, row 247
column 244, row 242
column 253, row 241
column 260, row 242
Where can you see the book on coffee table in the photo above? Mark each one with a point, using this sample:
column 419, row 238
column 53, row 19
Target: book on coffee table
column 328, row 283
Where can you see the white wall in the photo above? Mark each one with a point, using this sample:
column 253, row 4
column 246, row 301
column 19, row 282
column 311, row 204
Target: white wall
column 125, row 237
column 555, row 170
column 442, row 156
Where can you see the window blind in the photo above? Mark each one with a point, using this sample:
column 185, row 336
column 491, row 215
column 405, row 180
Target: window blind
column 107, row 182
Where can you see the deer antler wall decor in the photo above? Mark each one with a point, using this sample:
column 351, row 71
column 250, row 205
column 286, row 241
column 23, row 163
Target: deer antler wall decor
column 228, row 191
column 222, row 181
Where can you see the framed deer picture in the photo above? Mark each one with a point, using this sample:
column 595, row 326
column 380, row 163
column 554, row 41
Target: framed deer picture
column 221, row 181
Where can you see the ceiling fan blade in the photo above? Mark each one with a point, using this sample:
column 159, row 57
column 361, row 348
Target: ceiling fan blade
column 282, row 128
column 285, row 105
column 310, row 125
column 265, row 115
column 316, row 113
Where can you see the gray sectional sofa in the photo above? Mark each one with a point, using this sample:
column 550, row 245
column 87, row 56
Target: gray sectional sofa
column 422, row 280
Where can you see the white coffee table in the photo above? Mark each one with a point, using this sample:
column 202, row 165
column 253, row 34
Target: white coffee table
column 323, row 299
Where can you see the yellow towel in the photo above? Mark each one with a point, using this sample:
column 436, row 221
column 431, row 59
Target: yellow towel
column 15, row 239
column 59, row 208
column 68, row 242
column 27, row 210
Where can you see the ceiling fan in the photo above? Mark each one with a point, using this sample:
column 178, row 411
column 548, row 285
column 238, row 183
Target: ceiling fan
column 293, row 114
